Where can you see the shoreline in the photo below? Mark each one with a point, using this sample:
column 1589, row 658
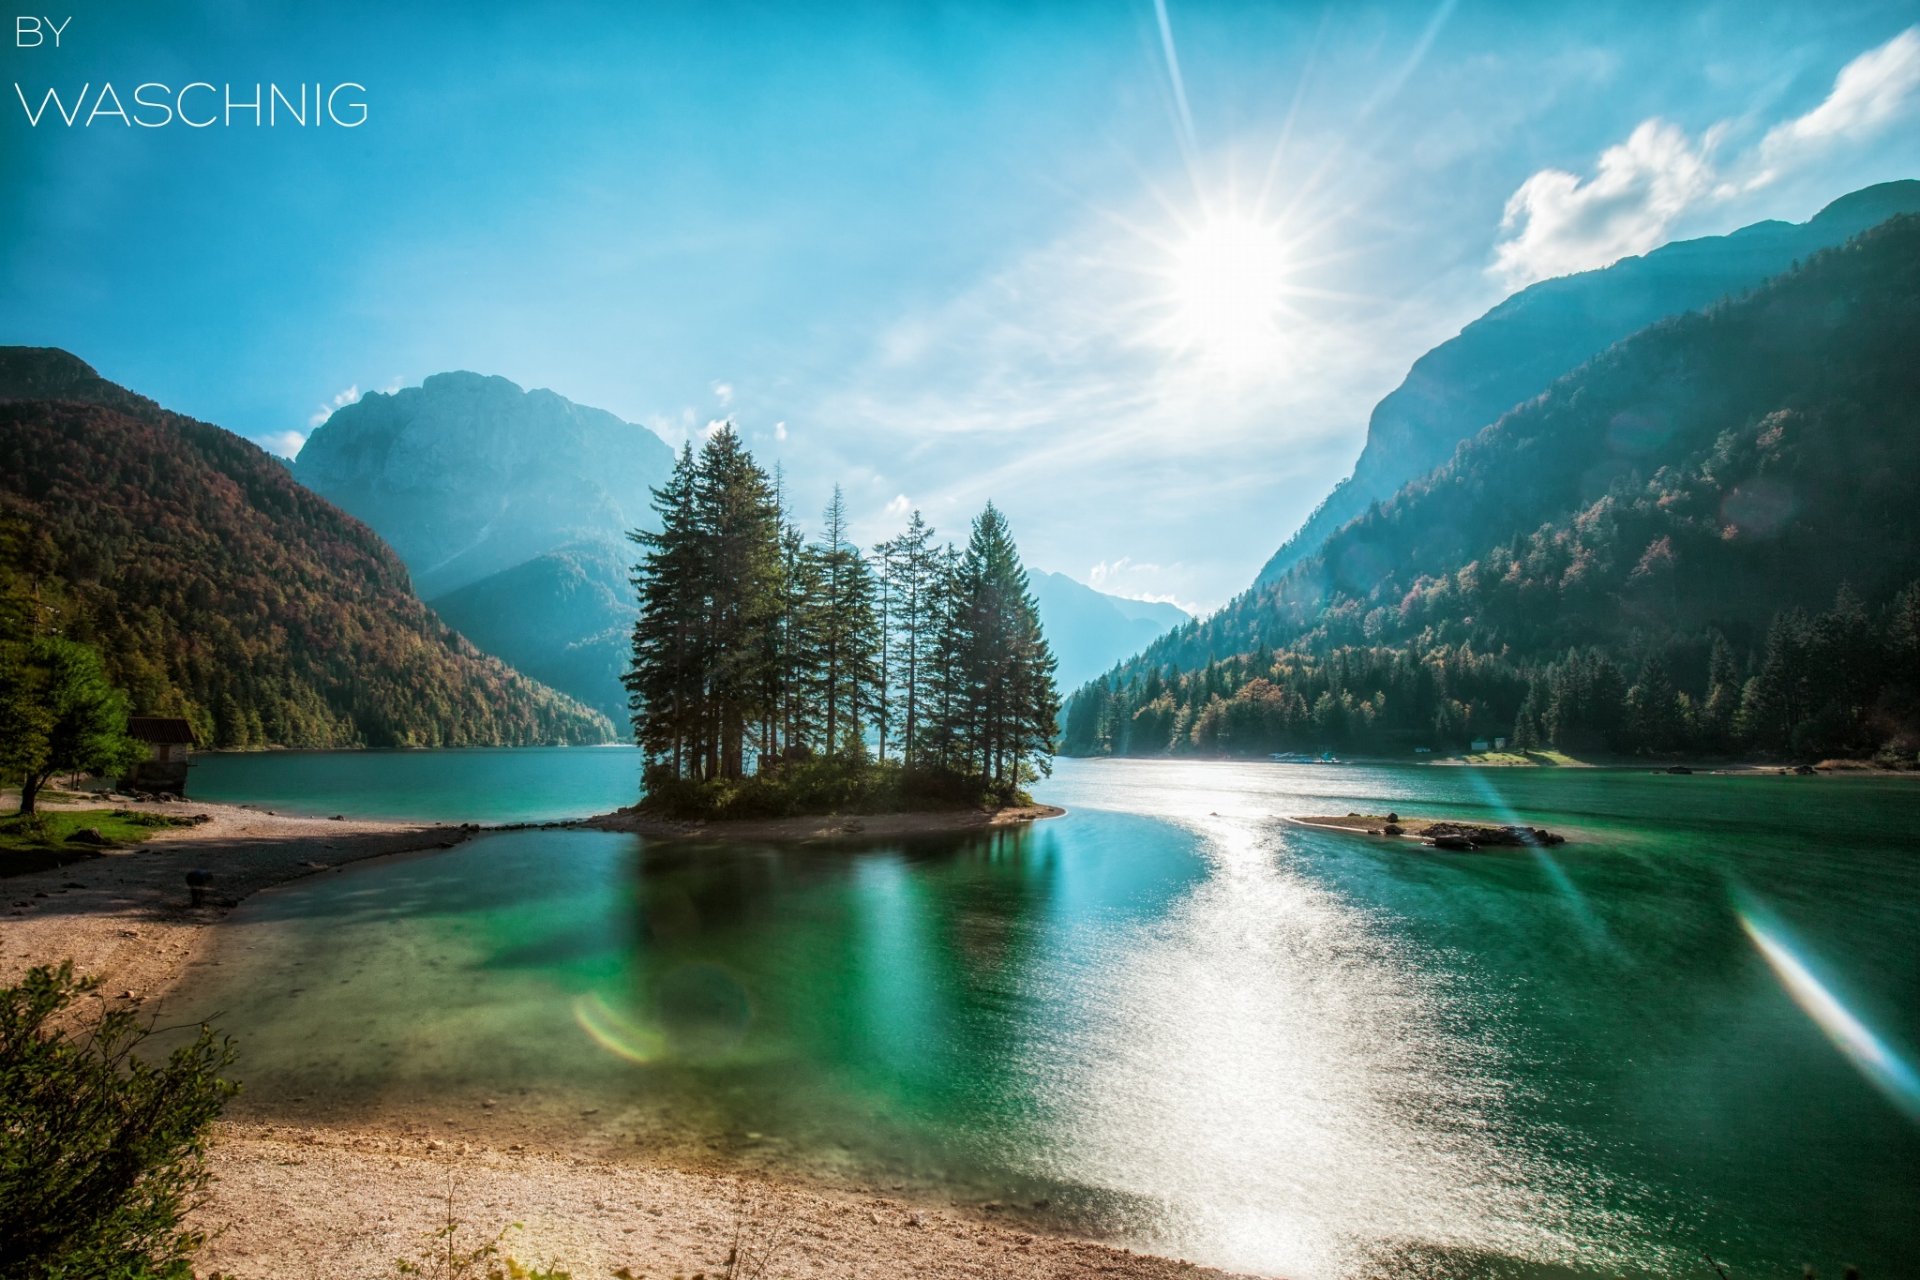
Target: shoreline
column 811, row 828
column 275, row 1206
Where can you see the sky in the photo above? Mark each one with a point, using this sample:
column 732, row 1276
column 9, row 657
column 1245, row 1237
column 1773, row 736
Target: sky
column 1137, row 272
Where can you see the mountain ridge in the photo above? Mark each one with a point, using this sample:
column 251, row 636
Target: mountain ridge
column 221, row 590
column 1519, row 347
column 1686, row 504
column 468, row 474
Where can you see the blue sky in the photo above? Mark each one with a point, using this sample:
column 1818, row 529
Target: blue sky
column 1136, row 273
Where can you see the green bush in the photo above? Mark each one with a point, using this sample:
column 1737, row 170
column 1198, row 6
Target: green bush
column 831, row 785
column 102, row 1153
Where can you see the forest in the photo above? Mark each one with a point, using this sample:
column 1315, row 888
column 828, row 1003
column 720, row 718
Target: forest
column 772, row 673
column 216, row 588
column 1700, row 541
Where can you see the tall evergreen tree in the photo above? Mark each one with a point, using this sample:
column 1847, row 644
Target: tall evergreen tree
column 848, row 636
column 1004, row 714
column 914, row 583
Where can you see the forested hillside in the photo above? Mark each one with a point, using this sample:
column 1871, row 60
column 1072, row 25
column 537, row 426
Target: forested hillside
column 1705, row 539
column 1517, row 350
column 565, row 618
column 220, row 590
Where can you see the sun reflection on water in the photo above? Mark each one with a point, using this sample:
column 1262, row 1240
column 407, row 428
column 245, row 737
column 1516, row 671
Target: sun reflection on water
column 1281, row 1089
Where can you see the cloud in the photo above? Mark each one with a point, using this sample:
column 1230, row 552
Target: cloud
column 899, row 507
column 723, row 392
column 779, row 431
column 1557, row 223
column 1871, row 92
column 1132, row 579
column 340, row 401
column 285, row 444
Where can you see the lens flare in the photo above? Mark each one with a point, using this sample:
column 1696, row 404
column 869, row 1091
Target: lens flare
column 1875, row 1059
column 615, row 1032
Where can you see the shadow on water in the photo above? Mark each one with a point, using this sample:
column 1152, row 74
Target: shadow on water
column 1171, row 1018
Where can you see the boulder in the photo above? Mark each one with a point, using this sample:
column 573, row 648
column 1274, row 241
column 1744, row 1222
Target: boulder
column 89, row 836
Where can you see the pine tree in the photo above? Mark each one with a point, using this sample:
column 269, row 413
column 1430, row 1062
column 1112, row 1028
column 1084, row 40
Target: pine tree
column 914, row 574
column 739, row 518
column 1005, row 706
column 665, row 688
column 849, row 631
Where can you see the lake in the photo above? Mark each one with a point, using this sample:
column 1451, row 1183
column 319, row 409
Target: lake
column 1171, row 1018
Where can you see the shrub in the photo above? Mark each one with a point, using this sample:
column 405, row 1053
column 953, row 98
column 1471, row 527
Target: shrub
column 827, row 785
column 102, row 1153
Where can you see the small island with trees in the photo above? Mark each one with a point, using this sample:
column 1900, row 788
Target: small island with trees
column 777, row 680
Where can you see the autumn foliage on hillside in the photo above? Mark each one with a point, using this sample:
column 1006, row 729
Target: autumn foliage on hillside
column 220, row 590
column 1705, row 539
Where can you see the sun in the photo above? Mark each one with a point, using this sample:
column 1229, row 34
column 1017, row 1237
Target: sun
column 1229, row 279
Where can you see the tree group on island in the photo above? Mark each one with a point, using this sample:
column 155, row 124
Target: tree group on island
column 773, row 674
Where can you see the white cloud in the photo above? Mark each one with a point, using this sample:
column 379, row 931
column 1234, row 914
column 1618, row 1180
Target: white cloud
column 723, row 392
column 340, row 401
column 285, row 444
column 1871, row 92
column 1133, row 579
column 779, row 431
column 1557, row 223
column 899, row 507
column 713, row 428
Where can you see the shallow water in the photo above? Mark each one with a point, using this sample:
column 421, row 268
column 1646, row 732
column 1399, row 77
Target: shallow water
column 477, row 784
column 1178, row 1020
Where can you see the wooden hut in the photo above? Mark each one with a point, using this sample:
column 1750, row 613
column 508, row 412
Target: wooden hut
column 169, row 742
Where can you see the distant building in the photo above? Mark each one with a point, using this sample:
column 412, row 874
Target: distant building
column 169, row 741
column 1423, row 751
column 1478, row 745
column 1499, row 744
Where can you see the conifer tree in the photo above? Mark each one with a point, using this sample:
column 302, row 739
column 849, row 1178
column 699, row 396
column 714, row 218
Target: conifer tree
column 848, row 630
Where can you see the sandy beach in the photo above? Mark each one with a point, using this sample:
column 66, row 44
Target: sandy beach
column 299, row 1200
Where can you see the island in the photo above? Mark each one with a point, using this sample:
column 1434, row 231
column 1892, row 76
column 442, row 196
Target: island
column 1452, row 834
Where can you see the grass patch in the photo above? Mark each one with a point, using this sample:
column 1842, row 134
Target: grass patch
column 1521, row 759
column 34, row 842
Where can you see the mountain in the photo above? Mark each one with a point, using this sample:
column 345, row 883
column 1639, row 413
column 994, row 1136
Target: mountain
column 221, row 590
column 1519, row 348
column 1090, row 630
column 565, row 618
column 466, row 475
column 1702, row 538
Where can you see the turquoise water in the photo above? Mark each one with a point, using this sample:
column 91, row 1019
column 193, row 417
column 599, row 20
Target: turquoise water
column 1176, row 1019
column 479, row 784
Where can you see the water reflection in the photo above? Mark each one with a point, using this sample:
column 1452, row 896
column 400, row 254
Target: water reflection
column 1172, row 1016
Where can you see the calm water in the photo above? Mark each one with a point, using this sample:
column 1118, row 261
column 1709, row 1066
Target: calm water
column 480, row 784
column 1173, row 1017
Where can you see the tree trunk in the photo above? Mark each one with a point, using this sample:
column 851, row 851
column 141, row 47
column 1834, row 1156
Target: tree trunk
column 30, row 786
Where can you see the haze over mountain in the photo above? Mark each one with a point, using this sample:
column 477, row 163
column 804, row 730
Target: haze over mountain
column 511, row 508
column 1702, row 539
column 466, row 475
column 1091, row 630
column 1515, row 351
column 219, row 589
column 565, row 618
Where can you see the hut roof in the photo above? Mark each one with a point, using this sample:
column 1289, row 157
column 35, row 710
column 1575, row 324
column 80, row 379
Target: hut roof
column 160, row 729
